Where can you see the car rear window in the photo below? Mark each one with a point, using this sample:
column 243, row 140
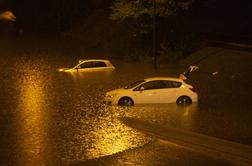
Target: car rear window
column 99, row 64
column 172, row 84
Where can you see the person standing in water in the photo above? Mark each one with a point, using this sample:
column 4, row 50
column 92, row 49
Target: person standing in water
column 187, row 72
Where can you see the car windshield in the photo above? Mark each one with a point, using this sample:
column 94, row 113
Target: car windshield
column 132, row 85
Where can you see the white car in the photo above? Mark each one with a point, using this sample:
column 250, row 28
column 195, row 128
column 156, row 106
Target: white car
column 153, row 90
column 90, row 65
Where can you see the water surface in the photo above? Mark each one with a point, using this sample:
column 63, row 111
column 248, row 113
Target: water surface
column 53, row 118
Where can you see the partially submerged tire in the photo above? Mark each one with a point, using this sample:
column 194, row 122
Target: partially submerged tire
column 184, row 100
column 125, row 101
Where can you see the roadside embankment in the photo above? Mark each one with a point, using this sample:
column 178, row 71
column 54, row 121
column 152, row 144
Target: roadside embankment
column 215, row 147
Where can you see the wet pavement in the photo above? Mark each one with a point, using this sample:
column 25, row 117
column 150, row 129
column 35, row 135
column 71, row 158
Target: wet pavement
column 53, row 118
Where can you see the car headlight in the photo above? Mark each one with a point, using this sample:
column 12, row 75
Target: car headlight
column 111, row 95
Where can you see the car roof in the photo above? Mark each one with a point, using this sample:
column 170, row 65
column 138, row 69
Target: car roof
column 164, row 78
column 104, row 60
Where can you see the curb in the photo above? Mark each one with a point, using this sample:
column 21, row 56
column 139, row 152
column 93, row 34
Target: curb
column 234, row 152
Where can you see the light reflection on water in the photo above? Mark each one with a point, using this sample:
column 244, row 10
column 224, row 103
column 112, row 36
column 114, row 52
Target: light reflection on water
column 61, row 119
column 111, row 136
column 98, row 135
column 31, row 112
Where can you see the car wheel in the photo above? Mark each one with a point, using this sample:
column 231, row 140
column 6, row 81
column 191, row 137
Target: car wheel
column 184, row 100
column 125, row 101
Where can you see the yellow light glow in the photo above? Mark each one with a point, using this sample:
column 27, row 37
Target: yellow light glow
column 107, row 137
column 8, row 16
column 110, row 139
column 31, row 106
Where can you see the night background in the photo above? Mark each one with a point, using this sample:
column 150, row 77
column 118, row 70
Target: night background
column 180, row 32
column 52, row 118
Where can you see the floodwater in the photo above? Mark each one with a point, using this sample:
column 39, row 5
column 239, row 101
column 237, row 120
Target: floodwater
column 53, row 118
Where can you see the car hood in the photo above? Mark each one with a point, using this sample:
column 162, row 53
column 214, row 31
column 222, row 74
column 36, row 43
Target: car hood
column 64, row 69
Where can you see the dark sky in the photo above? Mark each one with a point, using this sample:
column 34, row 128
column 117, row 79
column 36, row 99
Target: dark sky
column 220, row 16
column 225, row 17
column 45, row 14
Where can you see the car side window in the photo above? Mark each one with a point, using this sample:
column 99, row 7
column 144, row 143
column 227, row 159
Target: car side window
column 86, row 65
column 99, row 64
column 172, row 84
column 153, row 85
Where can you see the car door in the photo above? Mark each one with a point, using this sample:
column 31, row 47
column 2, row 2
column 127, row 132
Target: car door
column 148, row 92
column 171, row 92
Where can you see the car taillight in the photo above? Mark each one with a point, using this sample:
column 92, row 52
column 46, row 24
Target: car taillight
column 193, row 89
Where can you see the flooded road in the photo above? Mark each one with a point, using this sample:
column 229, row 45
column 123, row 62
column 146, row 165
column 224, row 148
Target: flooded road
column 53, row 118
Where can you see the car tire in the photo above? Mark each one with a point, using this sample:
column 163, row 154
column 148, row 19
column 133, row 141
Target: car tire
column 184, row 100
column 125, row 101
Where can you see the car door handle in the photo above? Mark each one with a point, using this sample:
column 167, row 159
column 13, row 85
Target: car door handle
column 153, row 93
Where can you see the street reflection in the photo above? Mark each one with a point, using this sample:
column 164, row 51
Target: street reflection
column 113, row 137
column 32, row 112
column 101, row 136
